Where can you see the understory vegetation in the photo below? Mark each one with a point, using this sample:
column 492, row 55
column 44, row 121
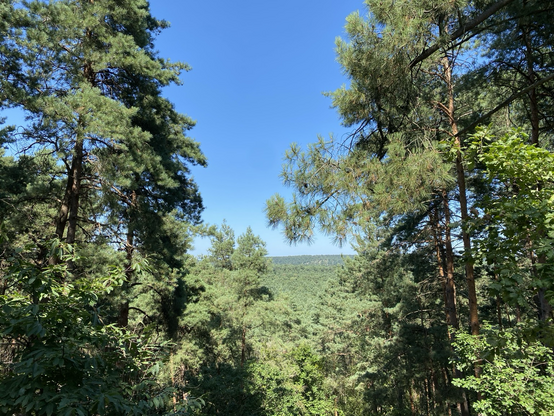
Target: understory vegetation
column 445, row 188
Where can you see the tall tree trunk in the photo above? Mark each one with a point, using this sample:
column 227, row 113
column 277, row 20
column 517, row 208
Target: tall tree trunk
column 450, row 284
column 446, row 272
column 543, row 306
column 69, row 209
column 75, row 180
column 531, row 78
column 462, row 197
column 462, row 191
column 61, row 219
column 123, row 318
column 412, row 394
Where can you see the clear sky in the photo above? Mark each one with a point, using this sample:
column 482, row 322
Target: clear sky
column 258, row 73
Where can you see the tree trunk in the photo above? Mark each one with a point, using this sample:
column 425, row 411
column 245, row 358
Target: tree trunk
column 446, row 262
column 69, row 209
column 543, row 306
column 532, row 94
column 74, row 196
column 123, row 318
column 450, row 284
column 461, row 182
column 61, row 219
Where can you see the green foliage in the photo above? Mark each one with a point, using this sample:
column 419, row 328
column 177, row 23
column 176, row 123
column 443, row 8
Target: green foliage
column 227, row 313
column 60, row 356
column 301, row 285
column 28, row 187
column 250, row 253
column 223, row 246
column 516, row 371
column 89, row 81
column 421, row 75
column 290, row 383
column 344, row 192
column 518, row 216
column 380, row 330
column 105, row 162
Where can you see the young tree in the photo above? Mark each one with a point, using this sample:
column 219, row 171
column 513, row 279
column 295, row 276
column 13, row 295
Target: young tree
column 226, row 303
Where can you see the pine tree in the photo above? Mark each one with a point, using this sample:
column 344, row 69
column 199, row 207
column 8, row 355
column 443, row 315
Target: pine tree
column 226, row 309
column 92, row 93
column 410, row 103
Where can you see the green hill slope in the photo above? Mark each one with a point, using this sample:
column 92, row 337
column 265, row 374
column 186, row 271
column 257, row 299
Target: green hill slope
column 323, row 260
column 301, row 279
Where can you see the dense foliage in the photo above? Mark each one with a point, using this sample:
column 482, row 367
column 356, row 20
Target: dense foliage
column 460, row 216
column 446, row 309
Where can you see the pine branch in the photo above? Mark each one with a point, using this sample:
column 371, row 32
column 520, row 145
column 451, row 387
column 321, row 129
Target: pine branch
column 504, row 104
column 462, row 30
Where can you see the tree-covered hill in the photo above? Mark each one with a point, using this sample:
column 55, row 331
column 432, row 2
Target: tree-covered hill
column 323, row 260
column 301, row 279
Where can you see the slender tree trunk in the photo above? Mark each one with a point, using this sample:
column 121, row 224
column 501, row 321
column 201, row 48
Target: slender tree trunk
column 434, row 383
column 543, row 306
column 449, row 285
column 75, row 191
column 123, row 318
column 427, row 393
column 544, row 309
column 412, row 401
column 61, row 219
column 69, row 209
column 70, row 202
column 461, row 182
column 462, row 197
column 531, row 78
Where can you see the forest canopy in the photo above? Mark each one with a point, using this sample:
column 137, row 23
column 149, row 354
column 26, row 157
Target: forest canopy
column 445, row 186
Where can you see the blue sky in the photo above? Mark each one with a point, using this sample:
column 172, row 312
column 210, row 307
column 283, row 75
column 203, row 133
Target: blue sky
column 258, row 73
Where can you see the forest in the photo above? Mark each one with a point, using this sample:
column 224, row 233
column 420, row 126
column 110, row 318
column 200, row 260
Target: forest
column 445, row 185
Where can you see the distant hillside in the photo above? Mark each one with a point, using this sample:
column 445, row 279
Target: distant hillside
column 302, row 279
column 320, row 260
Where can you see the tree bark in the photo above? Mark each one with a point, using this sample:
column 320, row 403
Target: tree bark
column 450, row 285
column 123, row 318
column 446, row 272
column 75, row 179
column 543, row 306
column 462, row 196
column 532, row 94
